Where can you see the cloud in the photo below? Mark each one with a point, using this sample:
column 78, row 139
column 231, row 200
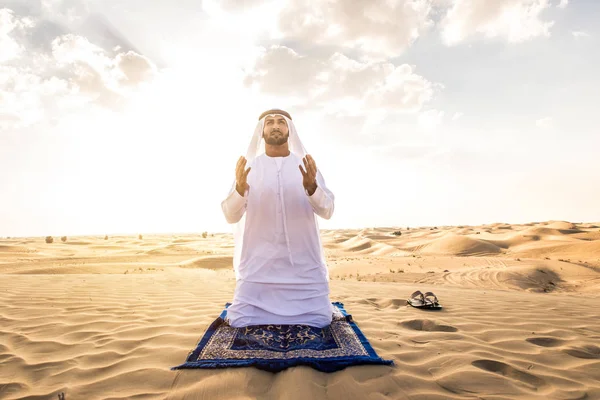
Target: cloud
column 457, row 115
column 513, row 20
column 580, row 34
column 545, row 123
column 134, row 68
column 27, row 97
column 381, row 29
column 9, row 26
column 44, row 82
column 563, row 3
column 63, row 11
column 110, row 72
column 376, row 27
column 339, row 84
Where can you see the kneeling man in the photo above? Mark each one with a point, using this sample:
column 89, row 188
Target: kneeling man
column 281, row 274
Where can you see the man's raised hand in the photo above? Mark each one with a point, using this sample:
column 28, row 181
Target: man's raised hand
column 241, row 176
column 309, row 174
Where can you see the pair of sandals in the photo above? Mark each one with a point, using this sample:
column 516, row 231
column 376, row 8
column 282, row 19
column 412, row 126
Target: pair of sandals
column 427, row 301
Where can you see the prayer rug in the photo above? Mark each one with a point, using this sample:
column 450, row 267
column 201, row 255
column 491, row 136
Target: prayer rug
column 277, row 347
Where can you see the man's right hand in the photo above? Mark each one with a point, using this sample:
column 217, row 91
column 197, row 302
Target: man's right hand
column 241, row 176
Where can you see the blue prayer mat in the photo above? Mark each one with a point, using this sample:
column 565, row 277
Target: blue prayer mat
column 277, row 347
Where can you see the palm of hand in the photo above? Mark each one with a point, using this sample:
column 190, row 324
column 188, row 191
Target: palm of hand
column 241, row 175
column 309, row 173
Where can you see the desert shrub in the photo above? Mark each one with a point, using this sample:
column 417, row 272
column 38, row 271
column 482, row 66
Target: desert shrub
column 204, row 234
column 63, row 239
column 49, row 239
column 397, row 233
column 105, row 237
column 140, row 237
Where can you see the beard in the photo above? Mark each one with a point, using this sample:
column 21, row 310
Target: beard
column 276, row 138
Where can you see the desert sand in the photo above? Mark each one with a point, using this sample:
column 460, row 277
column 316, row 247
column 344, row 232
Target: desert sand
column 107, row 319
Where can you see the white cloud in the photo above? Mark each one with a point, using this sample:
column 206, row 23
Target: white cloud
column 514, row 20
column 563, row 3
column 580, row 34
column 39, row 85
column 378, row 28
column 70, row 49
column 339, row 84
column 381, row 29
column 27, row 97
column 457, row 115
column 9, row 48
column 67, row 11
column 545, row 123
column 135, row 69
column 95, row 70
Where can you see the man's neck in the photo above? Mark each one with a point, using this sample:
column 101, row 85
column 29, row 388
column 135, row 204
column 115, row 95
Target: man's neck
column 277, row 151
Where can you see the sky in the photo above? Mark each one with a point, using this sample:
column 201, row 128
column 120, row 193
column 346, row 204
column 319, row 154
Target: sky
column 126, row 117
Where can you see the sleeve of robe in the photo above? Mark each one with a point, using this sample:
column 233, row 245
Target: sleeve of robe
column 234, row 206
column 322, row 200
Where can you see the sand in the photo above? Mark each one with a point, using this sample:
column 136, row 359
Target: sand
column 106, row 319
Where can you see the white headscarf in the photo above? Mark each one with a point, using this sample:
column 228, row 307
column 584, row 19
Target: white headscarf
column 255, row 149
column 257, row 144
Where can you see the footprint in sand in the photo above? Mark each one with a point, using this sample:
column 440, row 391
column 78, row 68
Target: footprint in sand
column 427, row 326
column 590, row 352
column 546, row 341
column 385, row 303
column 506, row 370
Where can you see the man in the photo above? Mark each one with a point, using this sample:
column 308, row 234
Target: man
column 280, row 268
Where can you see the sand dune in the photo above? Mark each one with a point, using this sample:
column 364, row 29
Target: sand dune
column 452, row 244
column 360, row 245
column 209, row 262
column 106, row 319
column 562, row 225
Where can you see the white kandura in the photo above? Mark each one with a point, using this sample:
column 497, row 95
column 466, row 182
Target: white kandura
column 280, row 268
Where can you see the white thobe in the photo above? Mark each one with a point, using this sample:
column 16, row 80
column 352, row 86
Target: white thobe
column 282, row 276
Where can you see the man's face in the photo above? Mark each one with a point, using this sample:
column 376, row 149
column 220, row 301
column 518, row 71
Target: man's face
column 276, row 131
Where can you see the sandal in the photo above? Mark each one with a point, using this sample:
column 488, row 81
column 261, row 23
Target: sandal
column 417, row 300
column 431, row 300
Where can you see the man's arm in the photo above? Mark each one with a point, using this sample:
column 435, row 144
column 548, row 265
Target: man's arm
column 234, row 206
column 322, row 201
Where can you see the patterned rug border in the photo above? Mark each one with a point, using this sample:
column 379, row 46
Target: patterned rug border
column 330, row 364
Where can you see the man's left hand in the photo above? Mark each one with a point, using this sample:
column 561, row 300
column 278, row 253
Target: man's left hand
column 309, row 174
